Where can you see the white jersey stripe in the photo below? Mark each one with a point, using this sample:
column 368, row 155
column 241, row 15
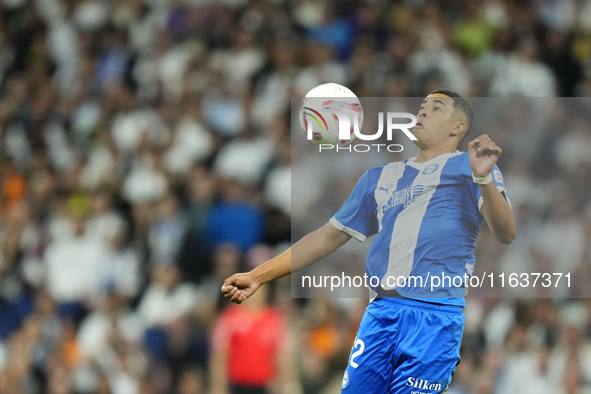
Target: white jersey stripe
column 408, row 223
column 386, row 186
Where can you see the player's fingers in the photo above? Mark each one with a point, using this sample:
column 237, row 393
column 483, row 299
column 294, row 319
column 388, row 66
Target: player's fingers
column 229, row 285
column 228, row 289
column 489, row 145
column 236, row 296
column 495, row 149
column 480, row 138
column 485, row 146
column 231, row 293
column 482, row 147
column 241, row 298
column 229, row 282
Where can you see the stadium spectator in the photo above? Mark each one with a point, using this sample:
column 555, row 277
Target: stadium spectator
column 244, row 337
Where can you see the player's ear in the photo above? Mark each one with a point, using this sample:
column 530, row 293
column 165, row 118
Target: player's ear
column 459, row 129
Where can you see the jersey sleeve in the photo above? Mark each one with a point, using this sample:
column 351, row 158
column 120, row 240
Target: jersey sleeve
column 499, row 183
column 356, row 216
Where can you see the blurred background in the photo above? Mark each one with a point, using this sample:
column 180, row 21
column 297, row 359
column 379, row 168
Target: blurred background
column 145, row 156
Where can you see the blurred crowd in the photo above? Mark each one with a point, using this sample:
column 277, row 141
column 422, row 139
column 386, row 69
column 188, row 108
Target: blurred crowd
column 145, row 156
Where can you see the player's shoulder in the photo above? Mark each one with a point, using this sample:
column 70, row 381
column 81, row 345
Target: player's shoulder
column 461, row 157
column 374, row 173
column 459, row 163
column 387, row 166
column 377, row 169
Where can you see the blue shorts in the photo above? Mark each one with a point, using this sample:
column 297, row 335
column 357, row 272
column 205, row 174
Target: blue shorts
column 404, row 346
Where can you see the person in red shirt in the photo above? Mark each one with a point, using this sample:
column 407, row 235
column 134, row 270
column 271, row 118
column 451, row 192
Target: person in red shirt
column 250, row 350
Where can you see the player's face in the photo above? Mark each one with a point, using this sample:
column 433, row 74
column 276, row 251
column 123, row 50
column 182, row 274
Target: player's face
column 437, row 120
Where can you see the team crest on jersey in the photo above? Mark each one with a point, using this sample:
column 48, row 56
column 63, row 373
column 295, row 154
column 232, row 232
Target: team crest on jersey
column 405, row 196
column 431, row 169
column 345, row 380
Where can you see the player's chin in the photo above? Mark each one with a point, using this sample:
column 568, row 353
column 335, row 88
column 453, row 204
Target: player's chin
column 418, row 130
column 419, row 134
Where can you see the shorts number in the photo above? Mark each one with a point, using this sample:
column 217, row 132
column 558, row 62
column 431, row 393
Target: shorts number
column 361, row 345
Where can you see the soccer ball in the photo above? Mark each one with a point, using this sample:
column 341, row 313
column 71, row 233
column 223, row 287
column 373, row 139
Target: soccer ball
column 325, row 128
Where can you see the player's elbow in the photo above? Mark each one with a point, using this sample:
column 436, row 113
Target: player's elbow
column 507, row 236
column 506, row 240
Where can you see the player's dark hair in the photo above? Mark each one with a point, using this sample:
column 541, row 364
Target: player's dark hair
column 461, row 104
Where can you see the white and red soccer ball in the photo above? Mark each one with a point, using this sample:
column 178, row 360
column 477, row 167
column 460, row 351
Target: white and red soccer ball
column 323, row 99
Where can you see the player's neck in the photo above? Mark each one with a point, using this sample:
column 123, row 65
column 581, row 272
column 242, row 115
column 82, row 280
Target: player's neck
column 425, row 155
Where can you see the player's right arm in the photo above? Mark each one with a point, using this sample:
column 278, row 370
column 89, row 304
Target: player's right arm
column 311, row 248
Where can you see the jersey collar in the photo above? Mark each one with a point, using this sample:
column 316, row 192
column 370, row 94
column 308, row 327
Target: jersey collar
column 419, row 166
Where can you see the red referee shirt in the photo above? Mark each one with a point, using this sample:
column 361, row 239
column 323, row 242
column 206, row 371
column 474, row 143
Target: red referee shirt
column 253, row 339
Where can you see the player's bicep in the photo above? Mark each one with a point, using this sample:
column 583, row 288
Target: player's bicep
column 334, row 236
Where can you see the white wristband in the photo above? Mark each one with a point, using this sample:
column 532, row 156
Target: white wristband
column 482, row 180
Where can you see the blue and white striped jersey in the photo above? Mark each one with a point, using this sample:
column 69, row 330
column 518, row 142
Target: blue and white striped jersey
column 426, row 216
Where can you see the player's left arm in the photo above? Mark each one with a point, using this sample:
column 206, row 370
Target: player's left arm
column 483, row 155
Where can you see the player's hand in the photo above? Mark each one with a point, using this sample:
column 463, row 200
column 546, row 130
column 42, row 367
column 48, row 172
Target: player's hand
column 239, row 287
column 483, row 154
